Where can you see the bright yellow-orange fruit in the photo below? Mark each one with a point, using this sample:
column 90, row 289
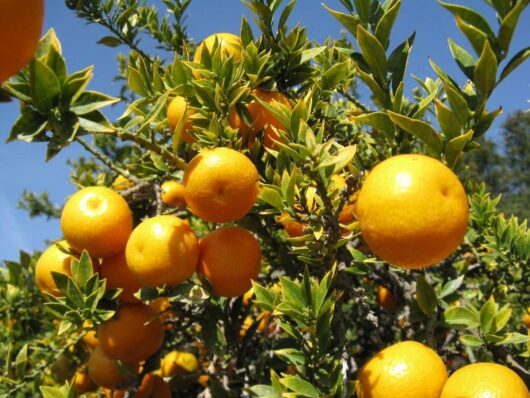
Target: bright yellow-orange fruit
column 118, row 275
column 121, row 183
column 162, row 250
column 133, row 335
column 526, row 318
column 221, row 185
column 90, row 339
column 176, row 110
column 20, row 29
column 261, row 117
column 53, row 259
column 178, row 361
column 485, row 380
column 153, row 386
column 229, row 43
column 293, row 229
column 82, row 382
column 161, row 306
column 230, row 258
column 105, row 372
column 97, row 219
column 173, row 193
column 404, row 370
column 386, row 299
column 413, row 211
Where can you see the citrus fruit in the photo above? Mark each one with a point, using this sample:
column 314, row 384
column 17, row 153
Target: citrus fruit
column 162, row 250
column 97, row 219
column 386, row 299
column 221, row 185
column 118, row 275
column 178, row 361
column 173, row 193
column 133, row 335
column 121, row 183
column 20, row 29
column 82, row 382
column 53, row 259
column 153, row 386
column 260, row 116
column 176, row 110
column 413, row 211
column 106, row 372
column 229, row 44
column 481, row 380
column 90, row 339
column 404, row 370
column 230, row 258
column 293, row 229
column 162, row 306
column 526, row 318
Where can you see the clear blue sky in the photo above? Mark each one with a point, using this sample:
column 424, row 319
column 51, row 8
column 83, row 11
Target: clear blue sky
column 22, row 165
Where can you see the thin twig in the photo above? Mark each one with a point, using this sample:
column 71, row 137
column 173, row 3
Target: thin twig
column 173, row 160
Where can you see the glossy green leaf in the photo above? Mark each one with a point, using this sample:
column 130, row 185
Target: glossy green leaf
column 301, row 387
column 516, row 60
column 455, row 147
column 457, row 102
column 501, row 319
column 380, row 96
column 451, row 287
column 514, row 338
column 272, row 197
column 110, row 41
column 364, row 10
column 447, row 120
column 476, row 37
column 424, row 131
column 96, row 122
column 486, row 70
column 82, row 269
column 373, row 53
column 398, row 61
column 461, row 316
column 378, row 120
column 425, row 296
column 471, row 340
column 44, row 86
column 350, row 22
column 508, row 25
column 136, row 82
column 385, row 24
column 465, row 60
column 29, row 125
column 487, row 313
column 469, row 16
column 89, row 101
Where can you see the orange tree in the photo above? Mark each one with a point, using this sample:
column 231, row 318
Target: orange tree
column 347, row 253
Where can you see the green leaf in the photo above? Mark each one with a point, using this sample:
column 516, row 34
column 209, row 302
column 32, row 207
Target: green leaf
column 455, row 147
column 82, row 269
column 75, row 84
column 380, row 96
column 335, row 75
column 341, row 160
column 471, row 340
column 476, row 37
column 508, row 24
column 21, row 361
column 457, row 102
column 385, row 24
column 291, row 355
column 451, row 287
column 44, row 86
column 292, row 292
column 398, row 61
column 90, row 101
column 470, row 16
column 447, row 120
column 425, row 132
column 486, row 70
column 264, row 297
column 246, row 32
column 178, row 71
column 264, row 391
column 485, row 121
column 311, row 53
column 514, row 338
column 136, row 82
column 271, row 196
column 350, row 22
column 364, row 9
column 425, row 296
column 487, row 313
column 378, row 120
column 461, row 316
column 282, row 22
column 516, row 60
column 110, row 41
column 301, row 387
column 465, row 60
column 501, row 319
column 28, row 126
column 96, row 122
column 373, row 53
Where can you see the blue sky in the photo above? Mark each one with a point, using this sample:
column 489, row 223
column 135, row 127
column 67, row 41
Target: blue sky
column 22, row 165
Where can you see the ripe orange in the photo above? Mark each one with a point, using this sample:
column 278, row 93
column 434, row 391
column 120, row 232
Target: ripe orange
column 413, row 211
column 118, row 275
column 121, row 183
column 173, row 194
column 176, row 110
column 230, row 258
column 221, row 185
column 480, row 380
column 90, row 339
column 229, row 43
column 161, row 306
column 526, row 318
column 153, row 386
column 294, row 229
column 260, row 116
column 178, row 361
column 82, row 382
column 106, row 372
column 133, row 335
column 404, row 370
column 162, row 250
column 53, row 259
column 20, row 29
column 97, row 219
column 386, row 299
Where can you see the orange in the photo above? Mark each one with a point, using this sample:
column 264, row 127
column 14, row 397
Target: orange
column 82, row 382
column 178, row 361
column 204, row 380
column 481, row 380
column 526, row 318
column 162, row 250
column 221, row 185
column 20, row 29
column 261, row 118
column 121, row 183
column 118, row 275
column 293, row 229
column 386, row 299
column 176, row 110
column 229, row 44
column 53, row 259
column 106, row 372
column 173, row 193
column 230, row 259
column 90, row 339
column 133, row 335
column 98, row 220
column 404, row 370
column 161, row 305
column 413, row 211
column 153, row 386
